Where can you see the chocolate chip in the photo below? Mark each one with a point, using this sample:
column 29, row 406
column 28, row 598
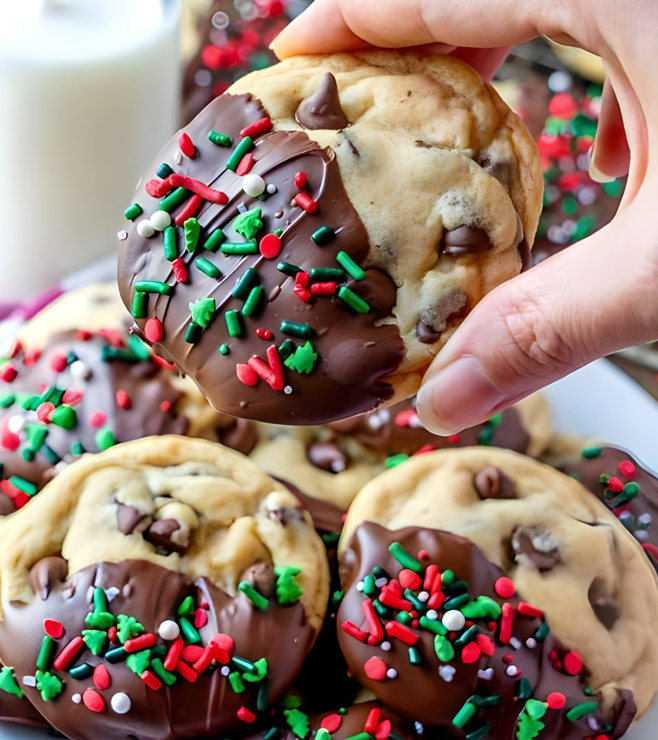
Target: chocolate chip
column 524, row 253
column 603, row 604
column 47, row 573
column 161, row 534
column 286, row 514
column 241, row 436
column 327, row 456
column 491, row 482
column 464, row 240
column 322, row 109
column 128, row 517
column 426, row 334
column 262, row 577
column 535, row 546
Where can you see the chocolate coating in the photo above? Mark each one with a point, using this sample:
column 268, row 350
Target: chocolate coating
column 322, row 110
column 637, row 514
column 152, row 594
column 420, row 692
column 146, row 384
column 356, row 352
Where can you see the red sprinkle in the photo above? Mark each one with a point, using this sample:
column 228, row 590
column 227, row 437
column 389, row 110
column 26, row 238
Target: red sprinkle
column 528, row 610
column 123, row 400
column 573, row 663
column 431, row 574
column 375, row 668
column 627, row 469
column 302, row 279
column 186, row 145
column 485, row 643
column 403, row 419
column 245, row 715
column 196, row 186
column 97, row 419
column 471, row 653
column 200, row 618
column 186, row 672
column 454, row 439
column 374, row 624
column 58, row 363
column 142, row 642
column 650, row 549
column 189, row 210
column 93, row 700
column 173, row 655
column 112, row 634
column 165, row 406
column 614, row 484
column 225, row 642
column 68, row 654
column 506, row 623
column 84, row 336
column 153, row 330
column 53, row 628
column 384, row 730
column 331, row 722
column 32, row 357
column 504, row 587
column 221, row 656
column 205, row 660
column 180, row 271
column 101, row 677
column 158, row 188
column 402, row 633
column 425, row 449
column 304, row 294
column 556, row 700
column 270, row 246
column 323, row 288
column 301, row 178
column 262, row 126
column 45, row 412
column 372, row 720
column 9, row 440
column 436, row 600
column 409, row 579
column 305, row 202
column 8, row 373
column 152, row 681
column 246, row 165
column 73, row 396
column 272, row 374
column 388, row 598
column 246, row 374
column 113, row 336
column 263, row 333
column 508, row 659
column 191, row 653
column 10, row 490
column 353, row 631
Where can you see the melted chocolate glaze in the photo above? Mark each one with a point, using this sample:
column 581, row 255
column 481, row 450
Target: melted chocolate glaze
column 639, row 513
column 356, row 352
column 419, row 692
column 152, row 594
column 146, row 384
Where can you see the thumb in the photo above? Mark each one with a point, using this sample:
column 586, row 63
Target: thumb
column 596, row 297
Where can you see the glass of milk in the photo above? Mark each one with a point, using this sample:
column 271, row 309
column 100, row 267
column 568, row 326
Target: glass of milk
column 89, row 92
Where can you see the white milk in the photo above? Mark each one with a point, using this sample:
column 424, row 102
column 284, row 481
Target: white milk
column 89, row 92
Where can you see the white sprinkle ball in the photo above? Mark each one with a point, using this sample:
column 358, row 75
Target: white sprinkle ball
column 511, row 670
column 16, row 424
column 121, row 703
column 419, row 728
column 253, row 185
column 76, row 698
column 423, row 596
column 453, row 620
column 122, row 235
column 432, row 614
column 385, row 646
column 515, row 643
column 391, row 673
column 381, row 582
column 359, row 586
column 531, row 643
column 169, row 630
column 145, row 229
column 79, row 370
column 160, row 220
column 271, row 188
column 225, row 670
column 287, row 390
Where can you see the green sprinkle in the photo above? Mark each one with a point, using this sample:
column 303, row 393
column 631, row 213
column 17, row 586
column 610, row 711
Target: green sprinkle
column 350, row 266
column 433, row 625
column 233, row 323
column 353, row 300
column 100, row 600
column 465, row 714
column 322, row 734
column 94, row 640
column 153, row 286
column 468, row 636
column 417, row 603
column 189, row 631
column 443, row 648
column 243, row 287
column 46, row 651
column 257, row 673
column 303, row 359
column 192, row 230
column 244, row 665
column 274, row 733
column 239, row 248
column 582, row 710
column 251, row 304
column 278, row 232
column 170, row 246
column 7, row 400
column 174, row 199
column 219, row 139
column 295, row 329
column 105, row 439
column 139, row 348
column 403, row 617
column 480, row 733
column 395, row 460
column 369, row 585
column 287, row 348
column 591, row 452
column 128, row 627
column 287, row 269
column 162, row 673
column 224, row 349
column 133, row 211
column 36, row 436
column 100, row 620
column 23, row 485
column 27, row 454
column 360, row 736
column 404, row 558
column 542, row 633
column 457, row 602
column 77, row 448
column 214, row 241
column 323, row 236
column 288, row 591
column 327, row 274
column 535, row 709
column 298, row 722
column 249, row 223
column 64, row 417
column 49, row 685
column 186, row 608
column 139, row 662
column 203, row 311
column 482, row 608
column 415, row 657
column 337, row 597
column 117, row 655
column 139, row 305
column 193, row 333
column 164, row 170
column 80, row 672
column 525, row 689
column 258, row 600
column 236, row 682
column 207, row 267
column 290, row 701
column 631, row 491
column 244, row 147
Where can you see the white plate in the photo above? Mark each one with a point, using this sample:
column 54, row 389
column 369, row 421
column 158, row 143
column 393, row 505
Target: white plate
column 598, row 401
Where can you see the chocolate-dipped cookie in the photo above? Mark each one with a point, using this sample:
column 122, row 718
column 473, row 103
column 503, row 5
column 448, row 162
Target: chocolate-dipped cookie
column 564, row 551
column 262, row 254
column 165, row 588
column 334, row 462
column 440, row 635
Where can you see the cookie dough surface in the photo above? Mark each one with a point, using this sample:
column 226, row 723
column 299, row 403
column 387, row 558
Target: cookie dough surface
column 564, row 551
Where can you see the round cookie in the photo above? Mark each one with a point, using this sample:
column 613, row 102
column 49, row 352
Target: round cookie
column 564, row 551
column 264, row 256
column 334, row 462
column 161, row 561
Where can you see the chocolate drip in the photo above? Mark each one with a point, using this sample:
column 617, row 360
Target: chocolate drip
column 322, row 109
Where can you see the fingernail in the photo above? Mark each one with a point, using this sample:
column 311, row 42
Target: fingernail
column 458, row 397
column 598, row 176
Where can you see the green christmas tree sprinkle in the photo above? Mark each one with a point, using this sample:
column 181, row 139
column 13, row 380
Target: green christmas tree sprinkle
column 8, row 682
column 94, row 640
column 139, row 662
column 288, row 591
column 248, row 224
column 202, row 311
column 128, row 627
column 303, row 359
column 49, row 685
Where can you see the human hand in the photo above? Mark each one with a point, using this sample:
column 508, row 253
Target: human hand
column 598, row 296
